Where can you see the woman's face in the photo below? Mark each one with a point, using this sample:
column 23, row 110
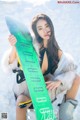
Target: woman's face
column 43, row 29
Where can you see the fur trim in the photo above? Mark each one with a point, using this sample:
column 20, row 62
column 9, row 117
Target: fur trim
column 6, row 67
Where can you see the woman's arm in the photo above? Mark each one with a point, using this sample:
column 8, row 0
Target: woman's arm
column 9, row 61
column 13, row 54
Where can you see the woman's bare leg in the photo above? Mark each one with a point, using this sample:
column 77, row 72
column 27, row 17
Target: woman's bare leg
column 21, row 112
column 70, row 103
column 71, row 94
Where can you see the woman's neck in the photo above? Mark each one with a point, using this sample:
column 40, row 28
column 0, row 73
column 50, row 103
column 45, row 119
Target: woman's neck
column 45, row 43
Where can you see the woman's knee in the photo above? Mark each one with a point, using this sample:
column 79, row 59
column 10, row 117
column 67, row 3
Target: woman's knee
column 76, row 81
column 21, row 98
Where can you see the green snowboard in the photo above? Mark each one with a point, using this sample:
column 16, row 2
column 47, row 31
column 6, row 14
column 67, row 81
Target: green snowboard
column 31, row 68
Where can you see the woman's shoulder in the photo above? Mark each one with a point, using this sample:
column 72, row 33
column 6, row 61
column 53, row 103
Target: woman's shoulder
column 66, row 55
column 60, row 54
column 67, row 62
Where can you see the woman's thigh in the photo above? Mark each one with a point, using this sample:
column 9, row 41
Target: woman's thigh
column 20, row 89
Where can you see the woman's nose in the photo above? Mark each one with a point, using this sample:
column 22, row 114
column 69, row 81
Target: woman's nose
column 44, row 30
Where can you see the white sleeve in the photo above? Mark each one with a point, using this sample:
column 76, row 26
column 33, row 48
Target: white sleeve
column 66, row 71
column 70, row 63
column 65, row 64
column 6, row 67
column 66, row 78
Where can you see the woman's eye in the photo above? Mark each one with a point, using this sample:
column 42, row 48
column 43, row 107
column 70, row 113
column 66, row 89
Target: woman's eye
column 47, row 25
column 39, row 28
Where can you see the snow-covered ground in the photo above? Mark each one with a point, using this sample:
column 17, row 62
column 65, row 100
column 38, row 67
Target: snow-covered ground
column 66, row 20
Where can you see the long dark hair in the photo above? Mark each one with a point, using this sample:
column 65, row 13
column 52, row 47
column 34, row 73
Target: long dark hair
column 53, row 46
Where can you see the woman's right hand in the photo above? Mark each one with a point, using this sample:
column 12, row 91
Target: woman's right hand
column 12, row 40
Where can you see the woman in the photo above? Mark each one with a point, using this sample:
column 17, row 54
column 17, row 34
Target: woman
column 57, row 67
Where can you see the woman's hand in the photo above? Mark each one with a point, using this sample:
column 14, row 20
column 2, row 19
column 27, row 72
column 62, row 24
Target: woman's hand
column 53, row 84
column 12, row 40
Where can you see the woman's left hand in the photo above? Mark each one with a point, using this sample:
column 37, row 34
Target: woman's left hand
column 53, row 84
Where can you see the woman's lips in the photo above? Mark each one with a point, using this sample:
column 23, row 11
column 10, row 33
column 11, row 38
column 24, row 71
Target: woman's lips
column 47, row 34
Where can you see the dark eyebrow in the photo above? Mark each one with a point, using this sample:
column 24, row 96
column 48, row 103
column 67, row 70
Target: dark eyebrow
column 41, row 26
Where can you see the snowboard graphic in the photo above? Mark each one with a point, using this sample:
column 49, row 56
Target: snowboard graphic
column 31, row 68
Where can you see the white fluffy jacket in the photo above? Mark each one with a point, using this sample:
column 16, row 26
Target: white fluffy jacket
column 6, row 67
